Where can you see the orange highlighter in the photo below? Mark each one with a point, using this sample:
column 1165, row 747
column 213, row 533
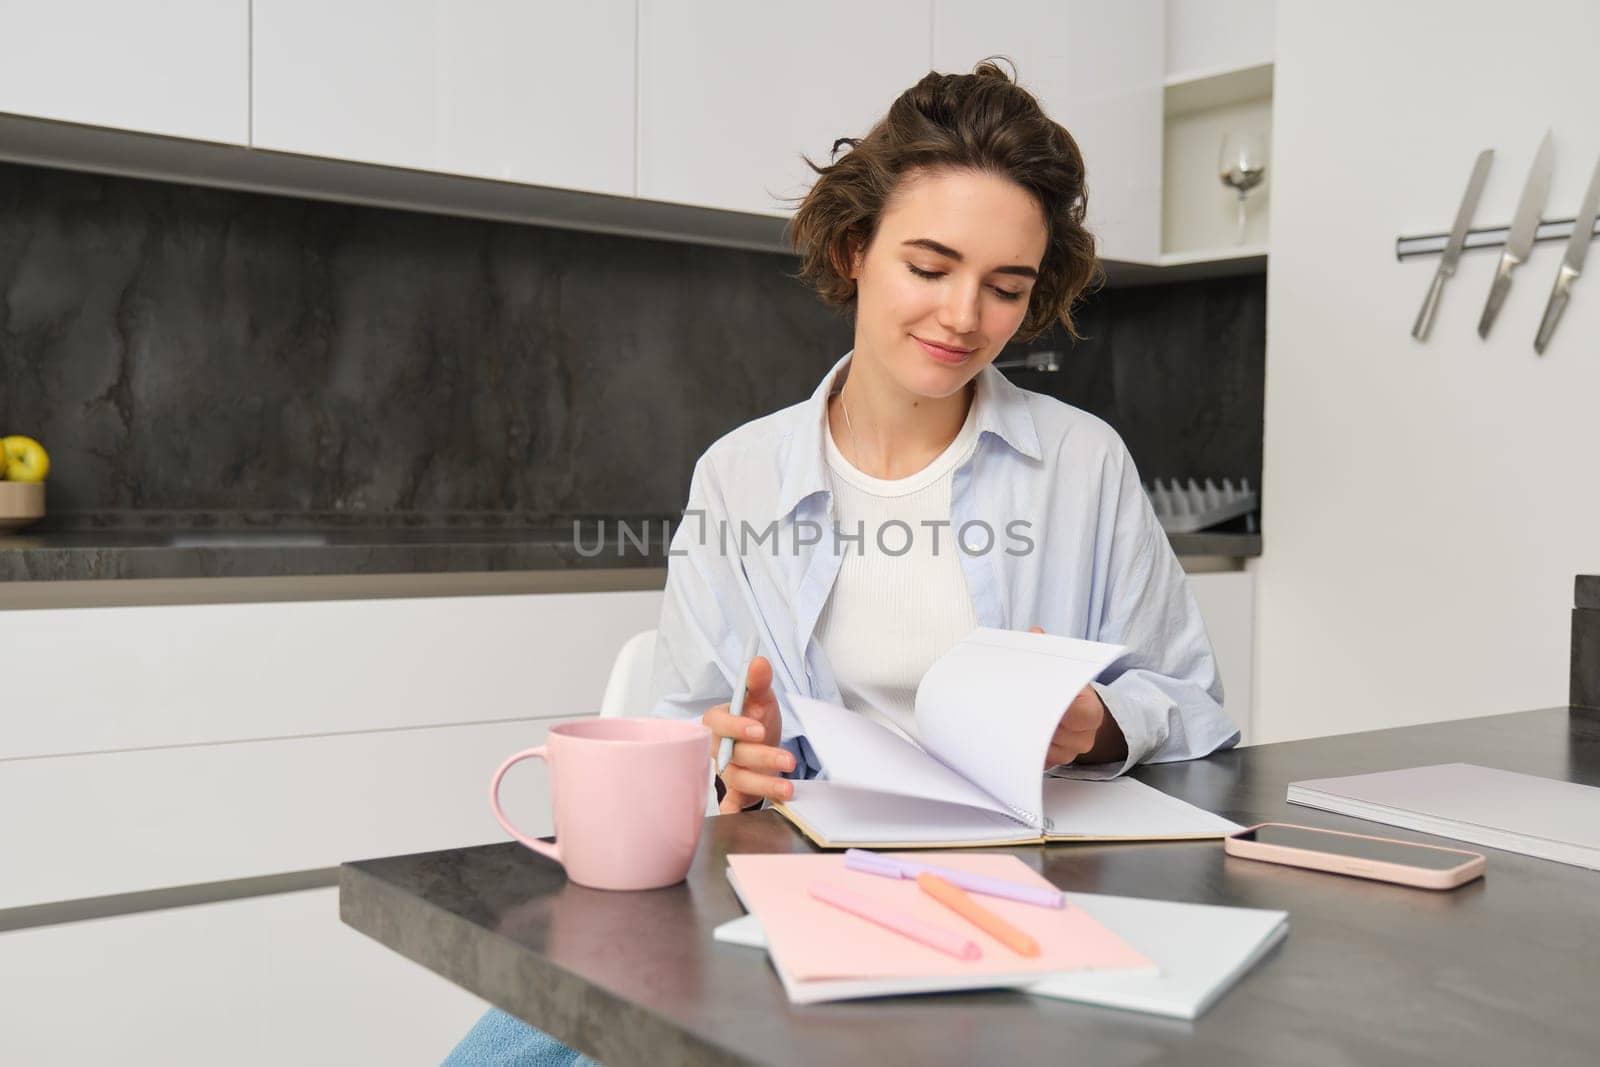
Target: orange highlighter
column 984, row 919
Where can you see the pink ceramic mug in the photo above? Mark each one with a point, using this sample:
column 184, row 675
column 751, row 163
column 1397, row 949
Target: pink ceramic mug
column 629, row 798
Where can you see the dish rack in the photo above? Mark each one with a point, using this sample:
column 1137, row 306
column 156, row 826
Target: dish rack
column 1191, row 507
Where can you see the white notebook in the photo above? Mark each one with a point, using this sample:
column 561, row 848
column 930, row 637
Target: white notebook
column 1200, row 951
column 1522, row 813
column 985, row 713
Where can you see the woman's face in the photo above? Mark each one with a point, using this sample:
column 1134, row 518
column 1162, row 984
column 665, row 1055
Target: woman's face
column 945, row 281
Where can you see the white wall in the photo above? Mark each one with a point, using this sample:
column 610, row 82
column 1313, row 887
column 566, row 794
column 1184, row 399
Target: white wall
column 1208, row 35
column 1426, row 506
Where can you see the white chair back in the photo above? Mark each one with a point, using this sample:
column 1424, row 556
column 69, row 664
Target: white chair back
column 628, row 690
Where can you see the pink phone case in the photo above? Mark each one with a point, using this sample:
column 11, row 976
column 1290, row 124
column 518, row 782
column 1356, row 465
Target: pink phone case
column 1471, row 866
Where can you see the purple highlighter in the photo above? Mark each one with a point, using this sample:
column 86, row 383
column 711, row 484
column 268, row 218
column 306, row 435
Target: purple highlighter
column 859, row 859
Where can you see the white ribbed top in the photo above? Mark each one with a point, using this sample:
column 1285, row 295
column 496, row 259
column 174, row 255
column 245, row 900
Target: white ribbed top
column 890, row 615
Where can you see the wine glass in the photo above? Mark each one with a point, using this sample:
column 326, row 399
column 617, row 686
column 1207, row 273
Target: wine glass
column 1242, row 163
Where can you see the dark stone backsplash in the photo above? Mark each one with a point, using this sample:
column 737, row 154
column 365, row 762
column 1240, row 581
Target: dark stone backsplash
column 1178, row 369
column 185, row 348
column 180, row 349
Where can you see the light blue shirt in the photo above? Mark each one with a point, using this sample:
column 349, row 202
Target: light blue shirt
column 1055, row 531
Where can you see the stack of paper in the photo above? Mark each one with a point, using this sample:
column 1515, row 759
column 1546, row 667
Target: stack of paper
column 1522, row 813
column 1195, row 952
column 815, row 946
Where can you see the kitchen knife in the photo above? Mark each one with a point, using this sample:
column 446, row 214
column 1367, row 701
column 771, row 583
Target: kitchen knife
column 1452, row 249
column 1519, row 239
column 1571, row 263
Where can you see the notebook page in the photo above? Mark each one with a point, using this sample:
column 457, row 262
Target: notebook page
column 989, row 706
column 843, row 815
column 856, row 751
column 1125, row 808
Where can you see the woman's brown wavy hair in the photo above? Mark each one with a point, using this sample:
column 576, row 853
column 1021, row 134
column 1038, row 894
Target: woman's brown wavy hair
column 981, row 121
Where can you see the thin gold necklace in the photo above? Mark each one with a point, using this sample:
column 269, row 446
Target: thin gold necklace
column 855, row 447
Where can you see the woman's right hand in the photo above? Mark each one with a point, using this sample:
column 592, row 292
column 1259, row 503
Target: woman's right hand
column 754, row 772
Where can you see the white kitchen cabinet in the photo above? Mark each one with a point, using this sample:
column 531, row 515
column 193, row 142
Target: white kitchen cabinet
column 1218, row 35
column 202, row 745
column 197, row 674
column 1097, row 67
column 210, row 742
column 617, row 115
column 1227, row 602
column 180, row 68
column 534, row 93
column 129, row 822
column 731, row 93
column 263, row 981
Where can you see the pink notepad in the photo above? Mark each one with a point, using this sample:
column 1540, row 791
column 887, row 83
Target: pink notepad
column 812, row 941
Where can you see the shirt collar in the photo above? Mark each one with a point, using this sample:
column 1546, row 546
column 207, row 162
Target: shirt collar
column 1001, row 409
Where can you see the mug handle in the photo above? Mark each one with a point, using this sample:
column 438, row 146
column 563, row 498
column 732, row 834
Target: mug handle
column 544, row 848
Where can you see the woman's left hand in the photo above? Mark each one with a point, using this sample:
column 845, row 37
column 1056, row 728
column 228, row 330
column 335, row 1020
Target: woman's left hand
column 1085, row 729
column 1078, row 729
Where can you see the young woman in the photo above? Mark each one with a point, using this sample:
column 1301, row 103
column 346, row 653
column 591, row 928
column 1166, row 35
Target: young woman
column 952, row 228
column 918, row 494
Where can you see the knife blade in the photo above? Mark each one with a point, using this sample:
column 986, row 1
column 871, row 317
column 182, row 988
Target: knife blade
column 1571, row 263
column 1452, row 248
column 1519, row 239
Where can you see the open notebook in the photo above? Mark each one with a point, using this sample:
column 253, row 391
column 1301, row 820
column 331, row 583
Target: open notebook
column 985, row 713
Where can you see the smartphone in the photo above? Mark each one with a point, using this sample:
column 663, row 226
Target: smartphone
column 1381, row 858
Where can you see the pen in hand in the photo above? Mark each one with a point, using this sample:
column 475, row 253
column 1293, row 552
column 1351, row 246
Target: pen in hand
column 725, row 750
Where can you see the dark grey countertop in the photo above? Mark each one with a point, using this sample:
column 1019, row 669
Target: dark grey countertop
column 172, row 545
column 178, row 545
column 1371, row 973
column 1212, row 543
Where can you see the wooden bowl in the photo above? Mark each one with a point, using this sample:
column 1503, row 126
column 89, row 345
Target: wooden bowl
column 20, row 503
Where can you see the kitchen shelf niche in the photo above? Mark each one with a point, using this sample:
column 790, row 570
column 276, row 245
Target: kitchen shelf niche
column 1198, row 213
column 1189, row 92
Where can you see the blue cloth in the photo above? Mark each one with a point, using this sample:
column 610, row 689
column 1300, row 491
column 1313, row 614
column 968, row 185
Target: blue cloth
column 501, row 1040
column 1055, row 531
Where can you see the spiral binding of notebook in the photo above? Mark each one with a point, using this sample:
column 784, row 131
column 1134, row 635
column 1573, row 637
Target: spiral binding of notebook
column 1032, row 820
column 1191, row 507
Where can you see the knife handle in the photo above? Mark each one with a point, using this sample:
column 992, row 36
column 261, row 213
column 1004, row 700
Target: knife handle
column 1559, row 295
column 1430, row 304
column 1497, row 292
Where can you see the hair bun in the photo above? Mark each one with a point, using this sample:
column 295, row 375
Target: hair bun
column 990, row 68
